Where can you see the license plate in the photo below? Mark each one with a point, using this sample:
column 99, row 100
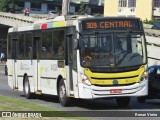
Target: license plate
column 115, row 91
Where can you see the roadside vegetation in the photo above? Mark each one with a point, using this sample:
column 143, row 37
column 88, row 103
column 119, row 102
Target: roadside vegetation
column 8, row 6
column 83, row 10
column 14, row 105
column 151, row 22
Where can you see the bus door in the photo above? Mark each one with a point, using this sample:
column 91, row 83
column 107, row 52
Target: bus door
column 14, row 62
column 72, row 66
column 36, row 42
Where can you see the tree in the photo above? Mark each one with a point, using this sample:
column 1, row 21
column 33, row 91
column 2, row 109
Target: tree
column 59, row 11
column 8, row 6
column 83, row 9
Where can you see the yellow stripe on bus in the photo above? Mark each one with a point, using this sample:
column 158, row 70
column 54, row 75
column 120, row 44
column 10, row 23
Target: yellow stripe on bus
column 64, row 72
column 41, row 70
column 11, row 71
column 110, row 82
column 107, row 78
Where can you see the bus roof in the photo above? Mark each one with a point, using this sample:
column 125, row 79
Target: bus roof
column 61, row 21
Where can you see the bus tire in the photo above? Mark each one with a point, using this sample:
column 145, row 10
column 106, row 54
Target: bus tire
column 26, row 88
column 63, row 99
column 123, row 101
column 141, row 99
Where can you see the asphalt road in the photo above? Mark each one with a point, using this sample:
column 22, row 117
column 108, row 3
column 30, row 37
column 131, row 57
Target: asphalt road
column 86, row 107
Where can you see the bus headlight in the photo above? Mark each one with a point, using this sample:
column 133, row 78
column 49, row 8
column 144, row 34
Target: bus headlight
column 85, row 79
column 144, row 76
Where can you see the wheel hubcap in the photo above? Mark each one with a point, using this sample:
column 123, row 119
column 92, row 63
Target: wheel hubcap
column 62, row 93
column 26, row 87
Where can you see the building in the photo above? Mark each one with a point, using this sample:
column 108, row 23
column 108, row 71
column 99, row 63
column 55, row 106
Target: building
column 94, row 6
column 39, row 6
column 43, row 6
column 144, row 9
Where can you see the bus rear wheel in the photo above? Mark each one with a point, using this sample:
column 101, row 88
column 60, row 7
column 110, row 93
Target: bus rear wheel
column 26, row 88
column 63, row 99
column 123, row 101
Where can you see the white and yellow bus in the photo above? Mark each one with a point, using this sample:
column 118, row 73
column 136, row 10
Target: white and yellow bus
column 79, row 57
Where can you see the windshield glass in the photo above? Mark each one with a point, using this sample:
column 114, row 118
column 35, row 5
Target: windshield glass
column 112, row 50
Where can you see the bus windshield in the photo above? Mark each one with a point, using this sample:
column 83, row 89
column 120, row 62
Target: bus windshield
column 112, row 50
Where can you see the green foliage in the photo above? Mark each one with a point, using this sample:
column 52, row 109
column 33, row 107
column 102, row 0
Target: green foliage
column 148, row 22
column 83, row 9
column 151, row 22
column 59, row 11
column 8, row 6
column 98, row 15
column 156, row 20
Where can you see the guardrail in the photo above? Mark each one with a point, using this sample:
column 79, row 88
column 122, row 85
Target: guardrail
column 11, row 19
column 17, row 17
column 151, row 32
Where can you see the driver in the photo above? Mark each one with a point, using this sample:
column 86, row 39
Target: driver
column 118, row 47
column 86, row 57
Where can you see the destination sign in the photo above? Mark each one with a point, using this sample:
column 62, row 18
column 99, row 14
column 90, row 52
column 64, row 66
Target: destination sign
column 111, row 24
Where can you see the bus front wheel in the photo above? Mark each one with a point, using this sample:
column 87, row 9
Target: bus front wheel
column 63, row 99
column 26, row 88
column 123, row 101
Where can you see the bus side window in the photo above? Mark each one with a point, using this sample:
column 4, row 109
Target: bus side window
column 28, row 46
column 61, row 50
column 46, row 45
column 58, row 44
column 21, row 46
column 50, row 53
column 43, row 52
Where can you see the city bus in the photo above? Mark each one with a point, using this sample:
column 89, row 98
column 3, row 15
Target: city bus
column 81, row 57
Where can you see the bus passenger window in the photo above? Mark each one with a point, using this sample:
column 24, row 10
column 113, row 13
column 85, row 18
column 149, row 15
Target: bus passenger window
column 58, row 44
column 28, row 46
column 61, row 51
column 21, row 47
column 50, row 53
column 46, row 51
column 29, row 52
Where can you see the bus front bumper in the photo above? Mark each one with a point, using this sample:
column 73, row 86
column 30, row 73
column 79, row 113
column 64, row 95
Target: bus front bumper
column 91, row 92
